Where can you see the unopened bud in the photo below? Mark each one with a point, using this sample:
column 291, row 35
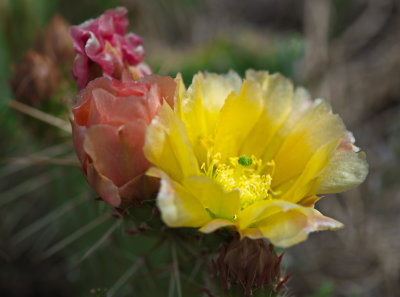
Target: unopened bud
column 35, row 78
column 250, row 264
column 109, row 126
column 56, row 42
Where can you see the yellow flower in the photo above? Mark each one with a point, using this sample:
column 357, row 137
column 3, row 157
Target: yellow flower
column 251, row 154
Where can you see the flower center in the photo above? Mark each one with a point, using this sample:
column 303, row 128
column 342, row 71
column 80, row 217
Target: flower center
column 241, row 173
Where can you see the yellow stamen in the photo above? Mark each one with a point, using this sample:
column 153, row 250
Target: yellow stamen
column 241, row 173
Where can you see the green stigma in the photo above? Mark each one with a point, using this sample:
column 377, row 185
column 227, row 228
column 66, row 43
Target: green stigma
column 245, row 161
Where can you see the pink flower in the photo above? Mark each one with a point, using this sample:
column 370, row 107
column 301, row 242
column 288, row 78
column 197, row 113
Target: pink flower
column 109, row 125
column 103, row 47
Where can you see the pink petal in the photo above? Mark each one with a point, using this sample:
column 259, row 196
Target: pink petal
column 104, row 42
column 125, row 89
column 117, row 152
column 103, row 186
column 80, row 70
column 82, row 110
column 78, row 135
column 140, row 188
column 166, row 86
column 108, row 109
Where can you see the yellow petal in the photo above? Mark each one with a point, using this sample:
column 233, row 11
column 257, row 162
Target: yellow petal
column 258, row 211
column 301, row 104
column 262, row 77
column 238, row 117
column 252, row 233
column 282, row 222
column 277, row 96
column 168, row 147
column 344, row 171
column 178, row 207
column 179, row 93
column 154, row 172
column 301, row 186
column 199, row 107
column 318, row 127
column 215, row 224
column 293, row 226
column 215, row 88
column 309, row 201
column 220, row 203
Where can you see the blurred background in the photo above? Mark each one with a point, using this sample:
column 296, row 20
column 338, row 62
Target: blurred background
column 56, row 240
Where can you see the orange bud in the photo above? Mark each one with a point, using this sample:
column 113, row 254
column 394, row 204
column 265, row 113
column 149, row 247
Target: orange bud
column 109, row 125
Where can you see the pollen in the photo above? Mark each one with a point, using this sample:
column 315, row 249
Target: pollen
column 244, row 174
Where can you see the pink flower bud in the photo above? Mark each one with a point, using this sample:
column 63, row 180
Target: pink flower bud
column 109, row 126
column 103, row 47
